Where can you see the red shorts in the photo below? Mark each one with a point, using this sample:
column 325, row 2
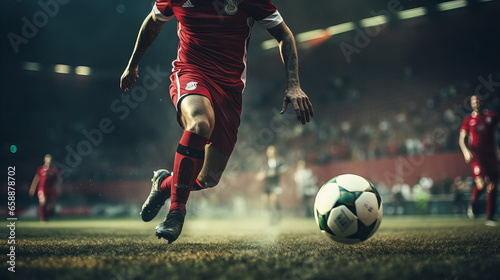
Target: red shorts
column 226, row 103
column 47, row 195
column 485, row 167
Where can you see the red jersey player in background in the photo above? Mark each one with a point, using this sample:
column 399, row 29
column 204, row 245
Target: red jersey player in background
column 207, row 82
column 480, row 126
column 48, row 178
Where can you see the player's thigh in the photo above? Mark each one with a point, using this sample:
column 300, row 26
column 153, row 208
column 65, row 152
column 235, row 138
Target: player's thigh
column 196, row 110
column 213, row 167
column 41, row 197
column 479, row 183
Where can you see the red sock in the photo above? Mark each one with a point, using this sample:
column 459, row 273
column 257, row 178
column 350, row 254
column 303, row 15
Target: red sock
column 491, row 200
column 49, row 211
column 41, row 212
column 166, row 185
column 187, row 165
column 198, row 186
column 474, row 195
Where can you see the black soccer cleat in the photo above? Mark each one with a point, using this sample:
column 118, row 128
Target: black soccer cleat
column 157, row 196
column 171, row 227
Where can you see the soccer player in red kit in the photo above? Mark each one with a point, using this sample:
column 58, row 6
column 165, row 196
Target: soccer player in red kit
column 48, row 179
column 480, row 126
column 207, row 82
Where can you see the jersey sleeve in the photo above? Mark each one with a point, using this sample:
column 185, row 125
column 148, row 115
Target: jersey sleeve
column 265, row 13
column 162, row 10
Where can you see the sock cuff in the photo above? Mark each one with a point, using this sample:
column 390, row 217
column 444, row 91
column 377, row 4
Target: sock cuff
column 198, row 186
column 193, row 140
column 166, row 184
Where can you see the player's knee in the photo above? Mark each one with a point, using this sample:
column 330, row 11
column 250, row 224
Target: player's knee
column 491, row 188
column 201, row 126
column 479, row 184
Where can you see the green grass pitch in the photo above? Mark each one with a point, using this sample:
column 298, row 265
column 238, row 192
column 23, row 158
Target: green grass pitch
column 403, row 248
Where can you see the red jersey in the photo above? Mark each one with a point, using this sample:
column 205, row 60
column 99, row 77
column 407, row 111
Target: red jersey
column 214, row 35
column 481, row 131
column 48, row 177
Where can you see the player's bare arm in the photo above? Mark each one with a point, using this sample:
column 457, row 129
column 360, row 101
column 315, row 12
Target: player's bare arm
column 461, row 142
column 34, row 184
column 293, row 94
column 150, row 29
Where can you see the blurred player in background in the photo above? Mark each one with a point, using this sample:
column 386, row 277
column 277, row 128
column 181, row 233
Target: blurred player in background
column 401, row 193
column 480, row 126
column 208, row 79
column 459, row 188
column 48, row 179
column 271, row 175
column 307, row 187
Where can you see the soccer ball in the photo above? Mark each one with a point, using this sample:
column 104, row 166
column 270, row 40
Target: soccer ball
column 348, row 209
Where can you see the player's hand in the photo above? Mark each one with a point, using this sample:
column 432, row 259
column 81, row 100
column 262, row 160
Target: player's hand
column 468, row 157
column 300, row 102
column 129, row 77
column 32, row 192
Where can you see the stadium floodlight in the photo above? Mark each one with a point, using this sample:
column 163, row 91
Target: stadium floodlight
column 310, row 35
column 82, row 70
column 373, row 21
column 62, row 69
column 412, row 13
column 340, row 28
column 32, row 66
column 269, row 44
column 450, row 5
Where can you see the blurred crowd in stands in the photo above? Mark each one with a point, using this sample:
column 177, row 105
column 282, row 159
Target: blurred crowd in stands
column 352, row 129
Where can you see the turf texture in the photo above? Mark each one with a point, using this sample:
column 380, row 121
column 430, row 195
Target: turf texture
column 403, row 248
